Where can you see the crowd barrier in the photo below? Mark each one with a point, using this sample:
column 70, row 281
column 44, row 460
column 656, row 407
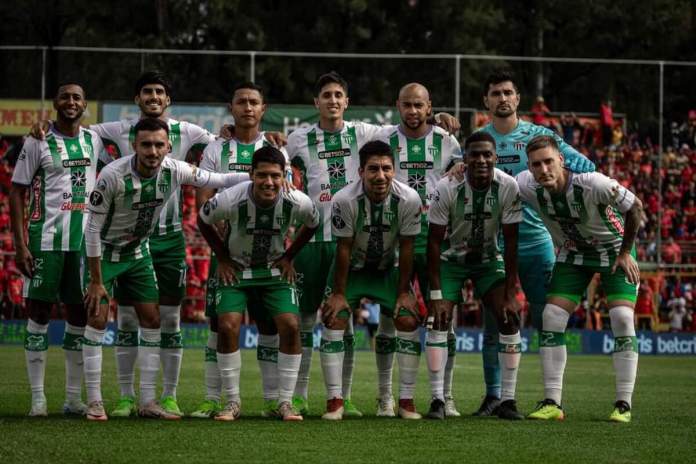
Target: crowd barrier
column 468, row 340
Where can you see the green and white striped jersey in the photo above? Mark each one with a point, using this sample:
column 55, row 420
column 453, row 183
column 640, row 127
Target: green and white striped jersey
column 474, row 217
column 123, row 207
column 375, row 228
column 182, row 135
column 61, row 172
column 586, row 221
column 234, row 156
column 328, row 161
column 255, row 237
column 421, row 163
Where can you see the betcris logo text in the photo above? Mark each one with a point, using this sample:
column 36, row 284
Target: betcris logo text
column 673, row 344
column 645, row 344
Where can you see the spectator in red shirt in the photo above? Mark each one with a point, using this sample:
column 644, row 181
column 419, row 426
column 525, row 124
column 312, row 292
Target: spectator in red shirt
column 645, row 307
column 671, row 252
column 540, row 112
column 606, row 120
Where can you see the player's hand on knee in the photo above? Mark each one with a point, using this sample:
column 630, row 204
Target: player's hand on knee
column 96, row 292
column 629, row 265
column 407, row 301
column 439, row 312
column 331, row 308
column 511, row 311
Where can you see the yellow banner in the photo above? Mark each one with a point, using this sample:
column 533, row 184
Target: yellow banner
column 17, row 116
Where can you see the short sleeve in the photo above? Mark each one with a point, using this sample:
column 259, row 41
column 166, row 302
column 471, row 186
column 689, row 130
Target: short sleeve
column 608, row 191
column 211, row 158
column 308, row 213
column 28, row 162
column 199, row 136
column 341, row 217
column 512, row 204
column 438, row 212
column 216, row 208
column 411, row 216
column 101, row 197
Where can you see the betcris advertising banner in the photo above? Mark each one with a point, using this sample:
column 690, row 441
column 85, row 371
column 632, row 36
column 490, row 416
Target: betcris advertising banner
column 278, row 118
column 468, row 341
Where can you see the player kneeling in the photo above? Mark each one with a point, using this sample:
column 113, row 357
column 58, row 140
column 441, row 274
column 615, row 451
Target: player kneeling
column 472, row 211
column 372, row 218
column 255, row 269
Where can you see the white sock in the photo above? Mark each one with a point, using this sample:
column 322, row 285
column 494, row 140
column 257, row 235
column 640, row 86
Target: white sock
column 288, row 366
column 625, row 354
column 307, row 323
column 171, row 348
column 385, row 347
column 230, row 365
column 408, row 349
column 126, row 349
column 436, row 358
column 213, row 384
column 552, row 350
column 451, row 362
column 331, row 354
column 268, row 358
column 509, row 354
column 348, row 359
column 149, row 363
column 35, row 349
column 74, row 365
column 92, row 358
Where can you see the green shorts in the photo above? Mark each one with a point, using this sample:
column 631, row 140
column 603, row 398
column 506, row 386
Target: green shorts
column 312, row 265
column 169, row 258
column 485, row 277
column 270, row 297
column 379, row 286
column 58, row 277
column 570, row 281
column 135, row 279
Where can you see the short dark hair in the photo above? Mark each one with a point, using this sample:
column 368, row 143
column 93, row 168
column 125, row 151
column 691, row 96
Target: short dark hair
column 375, row 148
column 249, row 85
column 498, row 76
column 542, row 141
column 151, row 125
column 69, row 82
column 153, row 77
column 268, row 154
column 331, row 77
column 479, row 136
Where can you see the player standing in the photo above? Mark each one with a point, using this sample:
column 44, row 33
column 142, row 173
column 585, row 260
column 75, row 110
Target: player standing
column 535, row 250
column 372, row 218
column 235, row 155
column 472, row 213
column 422, row 153
column 59, row 172
column 594, row 222
column 256, row 271
column 124, row 208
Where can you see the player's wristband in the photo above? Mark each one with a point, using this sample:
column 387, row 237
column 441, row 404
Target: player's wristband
column 435, row 294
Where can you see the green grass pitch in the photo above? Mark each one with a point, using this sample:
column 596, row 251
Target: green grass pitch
column 663, row 427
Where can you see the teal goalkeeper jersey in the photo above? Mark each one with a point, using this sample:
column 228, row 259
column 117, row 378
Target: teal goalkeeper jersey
column 512, row 159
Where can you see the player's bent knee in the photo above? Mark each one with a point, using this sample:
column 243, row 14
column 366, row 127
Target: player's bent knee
column 407, row 324
column 170, row 319
column 127, row 319
column 622, row 323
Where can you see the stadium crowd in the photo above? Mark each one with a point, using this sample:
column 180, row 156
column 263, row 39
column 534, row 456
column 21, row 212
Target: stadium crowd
column 665, row 298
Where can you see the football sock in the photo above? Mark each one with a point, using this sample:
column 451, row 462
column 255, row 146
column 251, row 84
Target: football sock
column 126, row 349
column 489, row 353
column 552, row 350
column 625, row 354
column 74, row 365
column 348, row 359
column 331, row 352
column 171, row 348
column 436, row 358
column 148, row 363
column 212, row 371
column 230, row 365
column 451, row 362
column 307, row 323
column 92, row 358
column 288, row 366
column 408, row 350
column 509, row 351
column 385, row 347
column 35, row 349
column 267, row 357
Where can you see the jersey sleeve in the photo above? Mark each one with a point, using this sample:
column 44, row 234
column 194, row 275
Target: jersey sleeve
column 211, row 158
column 608, row 191
column 188, row 174
column 367, row 132
column 411, row 216
column 199, row 137
column 102, row 195
column 217, row 208
column 28, row 162
column 512, row 204
column 438, row 212
column 308, row 214
column 103, row 157
column 341, row 217
column 523, row 180
column 452, row 152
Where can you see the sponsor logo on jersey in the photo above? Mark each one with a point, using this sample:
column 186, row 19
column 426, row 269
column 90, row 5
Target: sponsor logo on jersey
column 36, row 199
column 478, row 216
column 416, row 165
column 325, row 197
column 336, row 170
column 508, row 159
column 263, row 232
column 377, row 228
column 239, row 167
column 340, row 153
column 73, row 163
column 70, row 206
column 519, row 145
column 146, row 204
column 434, row 151
column 614, row 220
column 389, row 215
column 78, row 179
column 280, row 220
column 416, row 181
